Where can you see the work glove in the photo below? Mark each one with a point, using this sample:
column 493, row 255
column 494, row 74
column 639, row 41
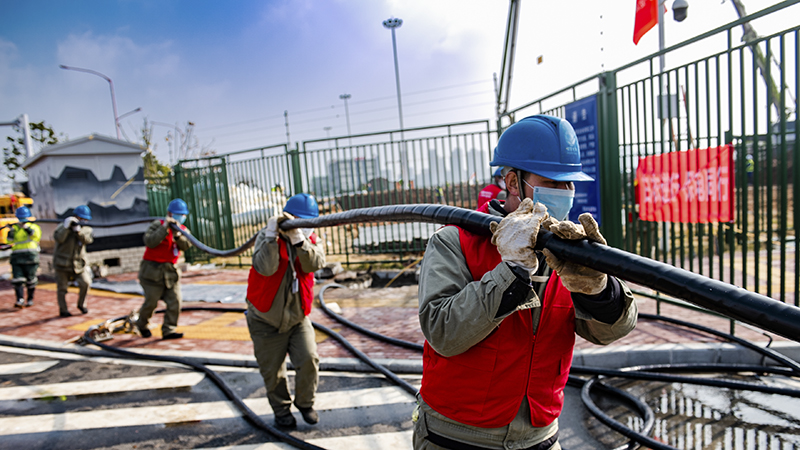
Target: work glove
column 295, row 235
column 69, row 221
column 28, row 229
column 516, row 234
column 575, row 277
column 168, row 220
column 271, row 230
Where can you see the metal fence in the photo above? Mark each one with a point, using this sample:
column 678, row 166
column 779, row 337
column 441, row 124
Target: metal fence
column 231, row 196
column 737, row 93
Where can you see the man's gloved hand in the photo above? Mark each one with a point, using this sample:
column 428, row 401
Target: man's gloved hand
column 271, row 230
column 516, row 234
column 295, row 235
column 169, row 219
column 69, row 221
column 28, row 229
column 576, row 278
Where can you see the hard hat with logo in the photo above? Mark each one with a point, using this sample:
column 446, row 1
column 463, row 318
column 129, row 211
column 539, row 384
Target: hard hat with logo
column 302, row 206
column 83, row 212
column 22, row 213
column 544, row 145
column 178, row 206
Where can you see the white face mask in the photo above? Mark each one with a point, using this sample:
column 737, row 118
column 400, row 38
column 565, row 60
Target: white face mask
column 557, row 201
column 502, row 184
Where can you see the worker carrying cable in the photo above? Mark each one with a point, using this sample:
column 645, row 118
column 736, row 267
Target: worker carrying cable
column 499, row 318
column 159, row 274
column 280, row 289
column 69, row 258
column 24, row 237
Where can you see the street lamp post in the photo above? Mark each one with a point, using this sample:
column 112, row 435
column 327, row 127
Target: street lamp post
column 110, row 84
column 347, row 116
column 391, row 24
column 345, row 97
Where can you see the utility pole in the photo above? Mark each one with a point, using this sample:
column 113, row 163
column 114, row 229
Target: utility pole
column 345, row 97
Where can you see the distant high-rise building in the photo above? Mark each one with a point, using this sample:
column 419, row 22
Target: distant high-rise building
column 350, row 175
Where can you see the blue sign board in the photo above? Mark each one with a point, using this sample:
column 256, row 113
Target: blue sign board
column 582, row 114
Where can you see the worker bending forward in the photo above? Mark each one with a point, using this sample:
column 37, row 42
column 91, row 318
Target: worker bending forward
column 159, row 274
column 280, row 289
column 499, row 318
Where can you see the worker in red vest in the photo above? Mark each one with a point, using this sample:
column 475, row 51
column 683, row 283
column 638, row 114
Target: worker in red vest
column 499, row 318
column 280, row 289
column 495, row 190
column 159, row 274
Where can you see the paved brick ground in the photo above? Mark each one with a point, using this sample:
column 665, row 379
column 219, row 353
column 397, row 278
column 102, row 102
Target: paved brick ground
column 391, row 311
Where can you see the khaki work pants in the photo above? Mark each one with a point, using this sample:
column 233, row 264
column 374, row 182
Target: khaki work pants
column 270, row 348
column 63, row 277
column 152, row 294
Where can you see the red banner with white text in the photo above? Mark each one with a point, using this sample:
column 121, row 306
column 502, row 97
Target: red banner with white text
column 694, row 186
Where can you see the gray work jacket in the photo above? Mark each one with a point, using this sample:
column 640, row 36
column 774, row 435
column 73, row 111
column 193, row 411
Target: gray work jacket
column 456, row 313
column 287, row 307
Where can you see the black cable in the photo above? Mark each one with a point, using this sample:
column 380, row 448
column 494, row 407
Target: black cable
column 732, row 301
column 794, row 365
column 613, row 424
column 248, row 413
column 641, row 407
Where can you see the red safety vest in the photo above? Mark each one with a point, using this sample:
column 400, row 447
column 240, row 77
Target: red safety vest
column 165, row 251
column 261, row 290
column 488, row 193
column 485, row 385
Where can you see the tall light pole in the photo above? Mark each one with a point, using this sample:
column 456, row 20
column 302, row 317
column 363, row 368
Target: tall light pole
column 347, row 116
column 345, row 97
column 110, row 84
column 392, row 23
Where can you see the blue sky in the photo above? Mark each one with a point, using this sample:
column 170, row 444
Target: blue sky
column 233, row 67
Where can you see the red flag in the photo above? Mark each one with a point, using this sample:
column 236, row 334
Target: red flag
column 646, row 18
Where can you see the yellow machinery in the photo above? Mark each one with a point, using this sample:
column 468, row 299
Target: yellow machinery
column 8, row 204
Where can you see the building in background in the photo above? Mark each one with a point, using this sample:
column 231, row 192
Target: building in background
column 107, row 175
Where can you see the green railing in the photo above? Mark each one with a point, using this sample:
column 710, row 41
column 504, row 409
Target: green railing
column 739, row 94
column 446, row 164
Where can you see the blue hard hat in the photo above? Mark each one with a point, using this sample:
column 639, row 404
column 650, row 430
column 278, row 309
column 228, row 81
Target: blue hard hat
column 178, row 206
column 302, row 206
column 83, row 212
column 498, row 172
column 22, row 213
column 544, row 145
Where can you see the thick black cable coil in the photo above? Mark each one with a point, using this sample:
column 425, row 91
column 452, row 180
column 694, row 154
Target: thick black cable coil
column 724, row 298
column 732, row 301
